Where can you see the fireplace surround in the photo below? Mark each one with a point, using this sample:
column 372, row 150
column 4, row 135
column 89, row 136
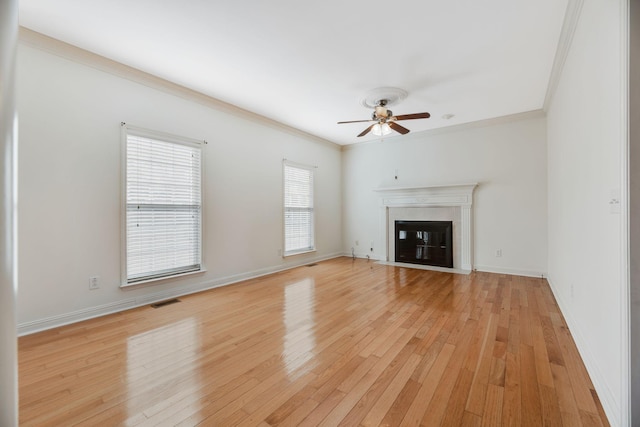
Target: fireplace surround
column 437, row 202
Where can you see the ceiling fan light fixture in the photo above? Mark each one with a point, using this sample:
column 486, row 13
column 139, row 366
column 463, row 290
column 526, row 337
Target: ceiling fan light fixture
column 384, row 121
column 380, row 129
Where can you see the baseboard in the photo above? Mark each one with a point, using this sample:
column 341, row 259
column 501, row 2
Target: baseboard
column 39, row 325
column 610, row 405
column 510, row 271
column 34, row 326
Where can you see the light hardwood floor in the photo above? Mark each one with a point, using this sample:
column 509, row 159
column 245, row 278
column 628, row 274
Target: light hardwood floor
column 343, row 342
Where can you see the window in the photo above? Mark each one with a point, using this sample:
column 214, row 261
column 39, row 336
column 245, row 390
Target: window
column 298, row 209
column 163, row 205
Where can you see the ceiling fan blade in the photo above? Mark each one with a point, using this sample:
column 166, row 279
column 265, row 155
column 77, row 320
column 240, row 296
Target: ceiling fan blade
column 355, row 121
column 367, row 130
column 400, row 129
column 412, row 116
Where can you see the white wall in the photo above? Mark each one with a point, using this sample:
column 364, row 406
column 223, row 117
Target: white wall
column 585, row 143
column 507, row 159
column 8, row 263
column 70, row 210
column 633, row 363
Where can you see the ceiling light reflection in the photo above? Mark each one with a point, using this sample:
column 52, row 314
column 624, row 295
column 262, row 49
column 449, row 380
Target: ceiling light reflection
column 157, row 361
column 298, row 318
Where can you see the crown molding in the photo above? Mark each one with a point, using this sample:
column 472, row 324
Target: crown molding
column 73, row 53
column 569, row 25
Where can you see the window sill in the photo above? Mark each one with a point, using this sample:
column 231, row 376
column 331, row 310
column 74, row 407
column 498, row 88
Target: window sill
column 300, row 252
column 160, row 279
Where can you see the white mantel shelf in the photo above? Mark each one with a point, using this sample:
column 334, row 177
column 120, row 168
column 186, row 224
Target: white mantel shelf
column 452, row 187
column 433, row 195
column 447, row 195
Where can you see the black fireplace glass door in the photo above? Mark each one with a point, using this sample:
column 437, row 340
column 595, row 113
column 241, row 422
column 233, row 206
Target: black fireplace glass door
column 424, row 242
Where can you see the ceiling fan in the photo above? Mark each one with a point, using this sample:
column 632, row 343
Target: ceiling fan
column 385, row 121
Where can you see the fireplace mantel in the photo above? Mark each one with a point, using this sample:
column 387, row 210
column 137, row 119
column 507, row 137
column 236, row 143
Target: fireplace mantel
column 452, row 195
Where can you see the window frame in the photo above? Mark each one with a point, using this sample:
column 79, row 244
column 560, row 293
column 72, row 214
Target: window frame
column 126, row 130
column 285, row 253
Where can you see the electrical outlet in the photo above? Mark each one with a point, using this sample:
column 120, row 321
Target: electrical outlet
column 279, row 252
column 498, row 253
column 357, row 242
column 94, row 282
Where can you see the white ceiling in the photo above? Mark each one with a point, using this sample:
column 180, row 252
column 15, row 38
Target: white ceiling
column 309, row 64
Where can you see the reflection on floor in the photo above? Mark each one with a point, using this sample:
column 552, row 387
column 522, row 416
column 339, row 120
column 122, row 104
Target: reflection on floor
column 159, row 356
column 298, row 317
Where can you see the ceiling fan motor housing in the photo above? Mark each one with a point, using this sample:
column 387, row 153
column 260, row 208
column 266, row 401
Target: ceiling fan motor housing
column 381, row 111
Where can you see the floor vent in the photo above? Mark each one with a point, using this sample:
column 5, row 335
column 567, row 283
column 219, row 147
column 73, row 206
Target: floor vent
column 163, row 303
column 312, row 265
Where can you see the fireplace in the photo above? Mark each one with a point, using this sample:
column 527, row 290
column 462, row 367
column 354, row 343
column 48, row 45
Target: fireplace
column 430, row 203
column 424, row 242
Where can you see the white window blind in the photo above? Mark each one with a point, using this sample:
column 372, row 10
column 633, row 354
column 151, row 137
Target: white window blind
column 163, row 206
column 298, row 209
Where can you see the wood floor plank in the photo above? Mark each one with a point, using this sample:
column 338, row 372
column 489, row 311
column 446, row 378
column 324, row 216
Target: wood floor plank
column 345, row 342
column 497, row 372
column 551, row 342
column 454, row 410
column 417, row 409
column 550, row 407
column 300, row 413
column 399, row 408
column 578, row 376
column 492, row 413
column 383, row 404
column 291, row 405
column 323, row 409
column 361, row 388
column 280, row 396
column 471, row 420
column 438, row 404
column 370, row 398
column 590, row 420
column 566, row 400
column 531, row 407
column 511, row 408
column 482, row 369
